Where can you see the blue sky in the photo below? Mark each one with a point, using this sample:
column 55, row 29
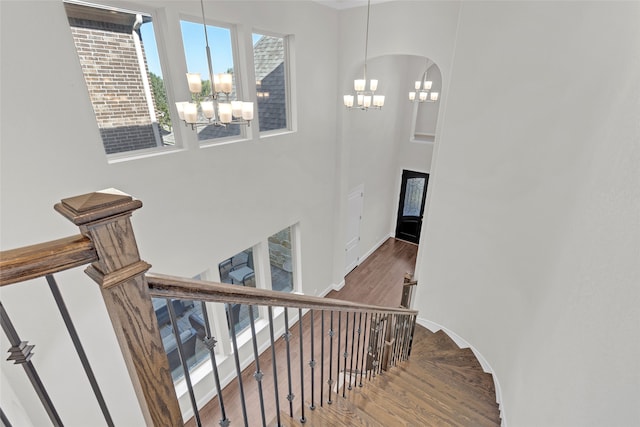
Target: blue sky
column 194, row 45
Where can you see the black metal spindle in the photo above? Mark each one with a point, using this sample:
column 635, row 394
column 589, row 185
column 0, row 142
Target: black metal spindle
column 20, row 354
column 353, row 336
column 312, row 365
column 183, row 360
column 376, row 339
column 404, row 337
column 355, row 382
column 396, row 339
column 236, row 358
column 62, row 307
column 338, row 354
column 302, row 418
column 258, row 375
column 210, row 342
column 287, row 338
column 275, row 369
column 4, row 419
column 346, row 354
column 364, row 348
column 321, row 355
column 413, row 331
column 380, row 350
column 330, row 381
column 401, row 337
column 391, row 337
column 405, row 334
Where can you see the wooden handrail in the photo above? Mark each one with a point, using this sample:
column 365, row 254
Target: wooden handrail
column 30, row 262
column 163, row 286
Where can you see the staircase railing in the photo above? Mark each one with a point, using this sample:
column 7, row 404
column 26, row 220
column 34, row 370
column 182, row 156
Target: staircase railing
column 354, row 342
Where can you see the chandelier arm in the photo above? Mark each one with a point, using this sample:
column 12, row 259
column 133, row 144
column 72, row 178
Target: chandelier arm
column 212, row 90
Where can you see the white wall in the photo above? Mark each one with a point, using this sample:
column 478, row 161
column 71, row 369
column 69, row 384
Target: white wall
column 531, row 240
column 375, row 145
column 200, row 205
column 532, row 245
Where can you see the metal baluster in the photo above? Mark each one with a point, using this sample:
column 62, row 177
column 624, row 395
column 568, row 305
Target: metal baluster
column 275, row 370
column 183, row 360
column 258, row 374
column 383, row 341
column 381, row 328
column 401, row 337
column 4, row 419
column 20, row 354
column 287, row 338
column 339, row 338
column 346, row 354
column 312, row 364
column 57, row 296
column 364, row 348
column 236, row 358
column 321, row 356
column 353, row 336
column 404, row 338
column 210, row 343
column 369, row 362
column 330, row 381
column 413, row 331
column 392, row 337
column 408, row 330
column 396, row 338
column 358, row 351
column 374, row 346
column 302, row 418
column 380, row 351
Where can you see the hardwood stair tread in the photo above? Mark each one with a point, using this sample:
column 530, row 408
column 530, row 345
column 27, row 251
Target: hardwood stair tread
column 450, row 394
column 476, row 381
column 442, row 394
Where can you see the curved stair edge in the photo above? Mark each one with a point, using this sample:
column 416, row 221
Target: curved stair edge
column 462, row 343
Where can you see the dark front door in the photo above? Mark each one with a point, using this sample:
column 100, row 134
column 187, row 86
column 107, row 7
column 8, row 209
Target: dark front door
column 413, row 193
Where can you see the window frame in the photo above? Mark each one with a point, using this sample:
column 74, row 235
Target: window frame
column 122, row 156
column 238, row 68
column 287, row 45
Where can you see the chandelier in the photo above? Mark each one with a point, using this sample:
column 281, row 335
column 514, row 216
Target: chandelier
column 423, row 92
column 364, row 99
column 206, row 109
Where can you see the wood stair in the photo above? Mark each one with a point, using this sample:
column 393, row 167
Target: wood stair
column 440, row 385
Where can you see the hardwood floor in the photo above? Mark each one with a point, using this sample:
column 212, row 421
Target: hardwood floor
column 439, row 385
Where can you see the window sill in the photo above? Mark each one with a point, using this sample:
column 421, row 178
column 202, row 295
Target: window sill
column 278, row 132
column 141, row 154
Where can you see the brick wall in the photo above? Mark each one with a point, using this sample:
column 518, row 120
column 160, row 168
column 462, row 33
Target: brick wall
column 112, row 72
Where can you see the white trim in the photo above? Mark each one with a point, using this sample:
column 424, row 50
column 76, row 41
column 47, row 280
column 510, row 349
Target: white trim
column 462, row 343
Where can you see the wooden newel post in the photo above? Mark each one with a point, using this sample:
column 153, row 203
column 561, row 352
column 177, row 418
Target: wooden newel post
column 104, row 217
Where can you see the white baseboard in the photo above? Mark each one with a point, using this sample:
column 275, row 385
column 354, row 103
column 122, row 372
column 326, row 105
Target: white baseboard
column 332, row 287
column 462, row 343
column 373, row 249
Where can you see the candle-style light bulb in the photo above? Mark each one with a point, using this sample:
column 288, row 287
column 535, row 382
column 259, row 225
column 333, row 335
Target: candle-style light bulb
column 195, row 82
column 190, row 112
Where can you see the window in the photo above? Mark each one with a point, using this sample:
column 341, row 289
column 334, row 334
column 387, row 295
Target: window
column 118, row 54
column 269, row 58
column 281, row 261
column 191, row 330
column 239, row 270
column 222, row 58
